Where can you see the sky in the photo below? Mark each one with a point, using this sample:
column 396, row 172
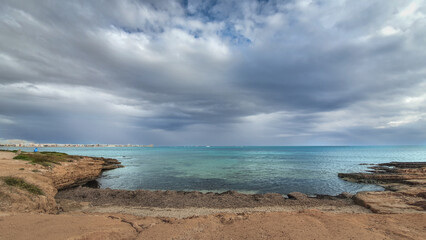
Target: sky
column 303, row 72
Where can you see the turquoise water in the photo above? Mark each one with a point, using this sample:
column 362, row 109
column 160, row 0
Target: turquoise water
column 311, row 170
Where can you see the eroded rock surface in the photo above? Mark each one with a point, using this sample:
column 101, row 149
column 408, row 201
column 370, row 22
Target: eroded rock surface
column 394, row 172
column 405, row 184
column 81, row 171
column 48, row 179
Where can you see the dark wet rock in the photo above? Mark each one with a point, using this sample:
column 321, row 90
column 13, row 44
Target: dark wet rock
column 421, row 204
column 297, row 196
column 422, row 195
column 180, row 199
column 345, row 195
column 390, row 173
column 109, row 163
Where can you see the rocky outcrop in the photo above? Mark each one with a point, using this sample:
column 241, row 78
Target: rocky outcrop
column 72, row 171
column 394, row 172
column 80, row 171
column 405, row 184
column 389, row 202
column 345, row 195
column 108, row 163
column 297, row 196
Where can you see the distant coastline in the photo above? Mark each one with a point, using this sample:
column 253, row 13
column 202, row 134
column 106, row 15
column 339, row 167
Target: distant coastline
column 70, row 145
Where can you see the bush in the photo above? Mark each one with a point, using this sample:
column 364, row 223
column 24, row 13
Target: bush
column 4, row 150
column 20, row 183
column 45, row 158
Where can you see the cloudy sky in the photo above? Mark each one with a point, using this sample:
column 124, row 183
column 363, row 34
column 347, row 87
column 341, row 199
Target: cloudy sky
column 303, row 72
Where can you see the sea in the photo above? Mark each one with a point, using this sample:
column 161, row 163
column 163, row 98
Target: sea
column 247, row 169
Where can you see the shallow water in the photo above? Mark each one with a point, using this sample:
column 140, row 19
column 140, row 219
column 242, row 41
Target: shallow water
column 311, row 170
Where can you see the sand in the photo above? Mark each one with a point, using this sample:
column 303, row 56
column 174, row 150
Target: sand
column 309, row 224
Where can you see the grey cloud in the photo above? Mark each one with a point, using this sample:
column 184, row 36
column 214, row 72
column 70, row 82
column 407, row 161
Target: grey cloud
column 213, row 72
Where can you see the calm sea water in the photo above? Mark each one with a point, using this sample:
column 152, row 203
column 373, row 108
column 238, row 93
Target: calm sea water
column 311, row 170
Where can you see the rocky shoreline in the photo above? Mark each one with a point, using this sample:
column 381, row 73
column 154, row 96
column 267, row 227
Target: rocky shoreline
column 181, row 199
column 410, row 173
column 404, row 183
column 81, row 171
column 65, row 210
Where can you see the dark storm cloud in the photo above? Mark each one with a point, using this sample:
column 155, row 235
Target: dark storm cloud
column 213, row 72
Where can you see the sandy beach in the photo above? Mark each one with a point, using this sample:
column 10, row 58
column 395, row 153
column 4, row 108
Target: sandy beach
column 86, row 213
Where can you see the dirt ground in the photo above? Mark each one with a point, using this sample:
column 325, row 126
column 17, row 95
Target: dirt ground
column 309, row 224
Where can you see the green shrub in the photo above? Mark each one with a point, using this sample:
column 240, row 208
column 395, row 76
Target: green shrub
column 46, row 158
column 23, row 156
column 58, row 154
column 20, row 183
column 5, row 150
